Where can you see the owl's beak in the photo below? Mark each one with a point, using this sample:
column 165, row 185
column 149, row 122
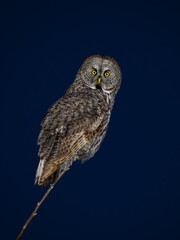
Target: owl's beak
column 99, row 80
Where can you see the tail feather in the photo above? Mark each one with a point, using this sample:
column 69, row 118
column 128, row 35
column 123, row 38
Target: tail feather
column 39, row 171
column 51, row 179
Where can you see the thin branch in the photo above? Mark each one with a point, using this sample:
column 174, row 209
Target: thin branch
column 38, row 205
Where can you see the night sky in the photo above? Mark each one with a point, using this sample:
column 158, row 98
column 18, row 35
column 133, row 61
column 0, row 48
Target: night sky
column 130, row 189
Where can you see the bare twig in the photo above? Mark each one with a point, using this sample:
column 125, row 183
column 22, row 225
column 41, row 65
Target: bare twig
column 38, row 205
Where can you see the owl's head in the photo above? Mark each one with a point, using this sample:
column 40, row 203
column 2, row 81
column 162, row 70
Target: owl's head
column 101, row 72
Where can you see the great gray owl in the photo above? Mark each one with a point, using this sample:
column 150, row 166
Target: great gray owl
column 76, row 124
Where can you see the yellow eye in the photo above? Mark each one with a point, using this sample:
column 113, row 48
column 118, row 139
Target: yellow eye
column 94, row 72
column 106, row 74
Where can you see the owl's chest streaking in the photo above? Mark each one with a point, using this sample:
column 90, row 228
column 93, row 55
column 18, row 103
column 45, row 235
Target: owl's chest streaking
column 101, row 103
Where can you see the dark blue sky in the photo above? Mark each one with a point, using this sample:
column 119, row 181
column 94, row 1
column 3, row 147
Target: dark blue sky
column 130, row 189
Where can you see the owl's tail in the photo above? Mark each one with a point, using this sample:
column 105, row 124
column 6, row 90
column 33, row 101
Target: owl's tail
column 39, row 172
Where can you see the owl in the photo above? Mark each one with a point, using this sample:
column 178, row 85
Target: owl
column 76, row 124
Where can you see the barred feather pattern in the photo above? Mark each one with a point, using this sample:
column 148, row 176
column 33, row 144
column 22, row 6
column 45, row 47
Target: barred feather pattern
column 74, row 126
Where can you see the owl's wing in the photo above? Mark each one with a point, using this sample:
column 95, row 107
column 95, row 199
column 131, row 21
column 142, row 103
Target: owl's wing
column 64, row 132
column 53, row 127
column 71, row 144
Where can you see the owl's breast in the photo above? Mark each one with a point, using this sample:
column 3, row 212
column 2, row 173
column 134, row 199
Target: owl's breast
column 92, row 147
column 88, row 111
